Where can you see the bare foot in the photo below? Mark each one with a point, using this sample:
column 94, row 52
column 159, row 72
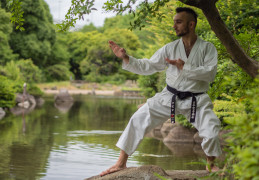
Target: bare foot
column 113, row 169
column 212, row 168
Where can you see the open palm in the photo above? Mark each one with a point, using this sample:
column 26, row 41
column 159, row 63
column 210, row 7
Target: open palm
column 117, row 50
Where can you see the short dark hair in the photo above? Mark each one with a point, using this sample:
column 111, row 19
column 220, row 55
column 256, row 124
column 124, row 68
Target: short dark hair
column 189, row 11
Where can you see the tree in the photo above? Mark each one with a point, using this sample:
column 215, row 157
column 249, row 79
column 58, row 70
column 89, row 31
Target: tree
column 39, row 35
column 99, row 59
column 6, row 53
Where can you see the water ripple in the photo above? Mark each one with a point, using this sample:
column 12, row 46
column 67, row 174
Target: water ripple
column 93, row 132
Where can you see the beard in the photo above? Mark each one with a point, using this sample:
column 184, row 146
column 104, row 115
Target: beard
column 184, row 32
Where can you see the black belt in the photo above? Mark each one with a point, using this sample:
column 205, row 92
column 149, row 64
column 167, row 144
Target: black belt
column 183, row 95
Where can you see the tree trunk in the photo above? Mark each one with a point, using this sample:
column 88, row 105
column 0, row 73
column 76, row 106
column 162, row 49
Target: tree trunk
column 249, row 65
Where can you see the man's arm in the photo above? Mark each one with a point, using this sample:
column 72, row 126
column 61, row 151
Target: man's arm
column 206, row 72
column 140, row 66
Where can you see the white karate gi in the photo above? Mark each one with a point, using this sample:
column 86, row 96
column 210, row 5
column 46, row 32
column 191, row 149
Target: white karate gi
column 198, row 71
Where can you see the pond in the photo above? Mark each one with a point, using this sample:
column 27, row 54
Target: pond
column 54, row 142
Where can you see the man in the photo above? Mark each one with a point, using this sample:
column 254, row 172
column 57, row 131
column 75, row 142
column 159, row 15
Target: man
column 191, row 65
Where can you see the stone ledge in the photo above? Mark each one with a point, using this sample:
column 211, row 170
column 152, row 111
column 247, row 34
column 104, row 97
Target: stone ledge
column 147, row 172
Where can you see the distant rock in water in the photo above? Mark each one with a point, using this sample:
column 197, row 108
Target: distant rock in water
column 63, row 101
column 63, row 106
column 25, row 103
column 63, row 96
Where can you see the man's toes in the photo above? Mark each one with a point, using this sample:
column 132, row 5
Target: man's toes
column 105, row 172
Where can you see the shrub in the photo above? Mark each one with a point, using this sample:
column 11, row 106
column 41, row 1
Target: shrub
column 11, row 71
column 244, row 140
column 228, row 109
column 30, row 73
column 7, row 93
column 57, row 72
column 116, row 79
column 148, row 84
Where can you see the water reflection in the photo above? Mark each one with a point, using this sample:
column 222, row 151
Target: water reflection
column 79, row 143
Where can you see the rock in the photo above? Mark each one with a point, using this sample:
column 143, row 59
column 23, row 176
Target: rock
column 167, row 126
column 180, row 134
column 223, row 136
column 197, row 138
column 197, row 149
column 187, row 174
column 20, row 110
column 181, row 149
column 118, row 93
column 54, row 88
column 31, row 99
column 63, row 106
column 134, row 173
column 39, row 101
column 154, row 134
column 158, row 128
column 20, row 98
column 63, row 96
column 2, row 113
column 24, row 104
column 147, row 173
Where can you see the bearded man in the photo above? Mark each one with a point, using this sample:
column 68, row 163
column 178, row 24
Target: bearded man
column 191, row 65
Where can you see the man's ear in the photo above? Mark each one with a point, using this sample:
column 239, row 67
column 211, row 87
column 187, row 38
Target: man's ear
column 192, row 24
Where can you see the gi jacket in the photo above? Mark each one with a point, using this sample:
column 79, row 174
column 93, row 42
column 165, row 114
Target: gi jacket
column 199, row 70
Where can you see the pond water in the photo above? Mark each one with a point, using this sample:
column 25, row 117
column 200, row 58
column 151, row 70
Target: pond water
column 56, row 142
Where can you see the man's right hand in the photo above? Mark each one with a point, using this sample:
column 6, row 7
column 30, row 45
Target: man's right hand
column 119, row 52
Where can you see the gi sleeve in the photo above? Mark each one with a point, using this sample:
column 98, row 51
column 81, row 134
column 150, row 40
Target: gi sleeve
column 156, row 63
column 208, row 71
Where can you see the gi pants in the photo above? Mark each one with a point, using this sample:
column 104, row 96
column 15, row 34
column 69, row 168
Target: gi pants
column 157, row 110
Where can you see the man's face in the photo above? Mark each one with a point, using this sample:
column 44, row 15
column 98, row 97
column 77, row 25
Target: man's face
column 181, row 24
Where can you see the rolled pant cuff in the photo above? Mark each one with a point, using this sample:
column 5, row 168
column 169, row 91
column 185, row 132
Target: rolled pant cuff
column 126, row 150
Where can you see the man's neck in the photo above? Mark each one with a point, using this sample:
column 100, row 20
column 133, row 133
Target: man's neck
column 189, row 40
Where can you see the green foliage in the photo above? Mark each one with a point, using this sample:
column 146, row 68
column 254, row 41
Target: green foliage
column 239, row 15
column 148, row 84
column 78, row 44
column 228, row 109
column 7, row 93
column 100, row 60
column 59, row 50
column 36, row 42
column 6, row 53
column 183, row 121
column 76, row 11
column 29, row 72
column 16, row 13
column 57, row 72
column 243, row 141
column 22, row 70
column 123, row 22
column 34, row 90
column 88, row 28
column 11, row 71
column 231, row 79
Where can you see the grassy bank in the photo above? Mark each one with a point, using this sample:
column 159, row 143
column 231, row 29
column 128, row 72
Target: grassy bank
column 128, row 85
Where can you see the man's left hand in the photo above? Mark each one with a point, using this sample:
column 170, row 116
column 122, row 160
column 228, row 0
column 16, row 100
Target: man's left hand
column 178, row 63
